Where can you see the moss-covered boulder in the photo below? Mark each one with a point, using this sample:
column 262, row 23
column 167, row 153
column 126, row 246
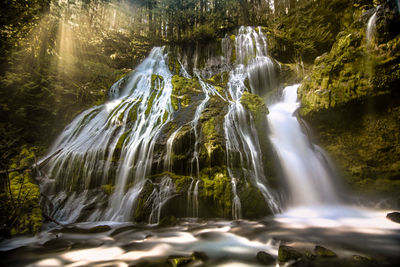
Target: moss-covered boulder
column 324, row 252
column 255, row 104
column 183, row 90
column 287, row 253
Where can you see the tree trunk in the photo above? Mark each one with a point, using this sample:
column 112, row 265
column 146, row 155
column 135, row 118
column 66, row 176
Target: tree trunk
column 245, row 10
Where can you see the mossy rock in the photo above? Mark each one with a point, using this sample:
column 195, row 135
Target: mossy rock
column 255, row 104
column 81, row 230
column 286, row 253
column 156, row 81
column 252, row 201
column 183, row 90
column 324, row 252
column 108, row 189
column 216, row 188
column 394, row 216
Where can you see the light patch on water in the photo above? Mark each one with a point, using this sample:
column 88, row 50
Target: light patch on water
column 47, row 262
column 88, row 255
column 343, row 218
column 210, row 230
column 111, row 105
column 157, row 251
column 179, row 238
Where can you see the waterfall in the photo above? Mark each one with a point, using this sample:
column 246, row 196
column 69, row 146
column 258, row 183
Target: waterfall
column 242, row 143
column 103, row 160
column 208, row 91
column 251, row 50
column 189, row 199
column 168, row 154
column 159, row 197
column 306, row 171
column 113, row 143
column 196, row 199
column 236, row 205
column 371, row 30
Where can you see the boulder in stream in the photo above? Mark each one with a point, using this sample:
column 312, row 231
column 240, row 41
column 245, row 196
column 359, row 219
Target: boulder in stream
column 394, row 216
column 286, row 253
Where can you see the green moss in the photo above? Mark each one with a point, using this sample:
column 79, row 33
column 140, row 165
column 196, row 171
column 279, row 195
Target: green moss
column 133, row 113
column 182, row 89
column 22, row 198
column 363, row 139
column 255, row 104
column 210, row 136
column 181, row 181
column 216, row 186
column 156, row 82
column 150, row 103
column 219, row 81
column 350, row 71
column 119, row 145
column 121, row 140
column 173, row 64
column 108, row 189
column 233, row 56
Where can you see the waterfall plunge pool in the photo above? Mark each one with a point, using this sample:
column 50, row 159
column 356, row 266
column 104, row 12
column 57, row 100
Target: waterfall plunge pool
column 352, row 233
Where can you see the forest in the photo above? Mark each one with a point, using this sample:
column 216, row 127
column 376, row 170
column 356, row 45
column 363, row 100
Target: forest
column 266, row 129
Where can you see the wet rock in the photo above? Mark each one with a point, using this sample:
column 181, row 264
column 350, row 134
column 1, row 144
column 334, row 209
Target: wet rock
column 57, row 244
column 199, row 255
column 265, row 258
column 286, row 253
column 87, row 244
column 99, row 229
column 80, row 230
column 167, row 221
column 394, row 216
column 324, row 252
column 122, row 229
column 177, row 261
column 361, row 259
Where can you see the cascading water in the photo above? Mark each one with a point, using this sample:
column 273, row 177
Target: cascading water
column 305, row 169
column 371, row 30
column 242, row 144
column 112, row 145
column 251, row 50
column 159, row 197
column 208, row 90
column 121, row 132
column 168, row 154
column 314, row 202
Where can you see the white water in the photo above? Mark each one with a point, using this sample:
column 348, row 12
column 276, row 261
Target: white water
column 314, row 202
column 305, row 170
column 371, row 30
column 244, row 156
column 120, row 134
column 196, row 199
column 208, row 91
column 160, row 196
column 169, row 150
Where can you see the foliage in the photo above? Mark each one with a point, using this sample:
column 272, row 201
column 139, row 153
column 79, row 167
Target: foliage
column 311, row 29
column 20, row 210
column 58, row 59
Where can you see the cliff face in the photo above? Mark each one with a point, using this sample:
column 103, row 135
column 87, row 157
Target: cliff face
column 351, row 98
